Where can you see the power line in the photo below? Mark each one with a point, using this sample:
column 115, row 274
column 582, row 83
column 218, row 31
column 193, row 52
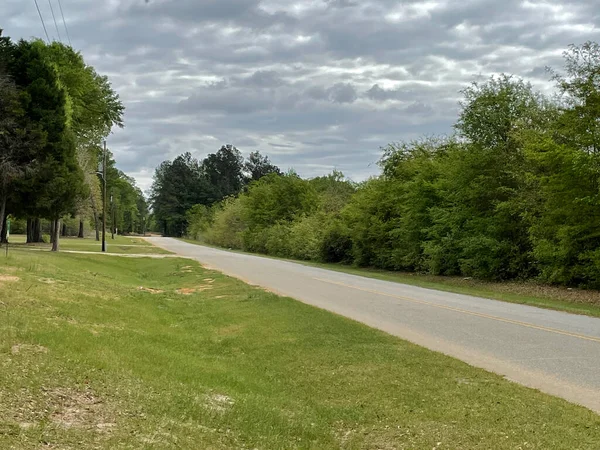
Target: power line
column 54, row 17
column 42, row 19
column 64, row 23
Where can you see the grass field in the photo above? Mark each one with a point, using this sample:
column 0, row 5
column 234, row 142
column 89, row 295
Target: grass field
column 576, row 301
column 120, row 244
column 101, row 352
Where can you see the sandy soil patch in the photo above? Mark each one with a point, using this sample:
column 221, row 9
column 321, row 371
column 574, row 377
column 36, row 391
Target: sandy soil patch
column 80, row 409
column 218, row 402
column 27, row 348
column 8, row 278
column 190, row 291
column 150, row 290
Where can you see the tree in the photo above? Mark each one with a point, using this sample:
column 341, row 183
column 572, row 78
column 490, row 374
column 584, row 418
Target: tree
column 493, row 111
column 12, row 137
column 579, row 124
column 224, row 171
column 334, row 191
column 95, row 108
column 177, row 186
column 58, row 180
column 277, row 198
column 258, row 166
column 564, row 162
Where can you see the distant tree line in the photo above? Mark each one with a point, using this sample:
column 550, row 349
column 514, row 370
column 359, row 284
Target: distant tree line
column 185, row 182
column 55, row 111
column 513, row 194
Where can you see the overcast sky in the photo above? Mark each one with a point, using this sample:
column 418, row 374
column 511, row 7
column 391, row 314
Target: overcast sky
column 314, row 84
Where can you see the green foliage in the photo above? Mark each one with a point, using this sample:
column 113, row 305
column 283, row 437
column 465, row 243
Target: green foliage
column 277, row 198
column 336, row 243
column 227, row 225
column 177, row 187
column 199, row 218
column 302, row 238
column 515, row 194
column 258, row 166
column 57, row 182
column 60, row 110
column 224, row 172
column 185, row 183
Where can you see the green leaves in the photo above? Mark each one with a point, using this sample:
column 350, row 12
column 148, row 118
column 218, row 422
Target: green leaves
column 515, row 194
column 63, row 110
column 185, row 183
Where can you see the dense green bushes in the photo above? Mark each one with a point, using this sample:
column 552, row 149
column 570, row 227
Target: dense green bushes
column 515, row 194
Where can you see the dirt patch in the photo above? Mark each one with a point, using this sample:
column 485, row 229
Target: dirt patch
column 190, row 291
column 218, row 402
column 150, row 290
column 221, row 296
column 47, row 280
column 78, row 409
column 185, row 291
column 209, row 280
column 27, row 348
column 8, row 278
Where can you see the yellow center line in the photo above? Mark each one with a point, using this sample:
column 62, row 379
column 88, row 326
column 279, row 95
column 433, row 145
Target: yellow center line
column 464, row 311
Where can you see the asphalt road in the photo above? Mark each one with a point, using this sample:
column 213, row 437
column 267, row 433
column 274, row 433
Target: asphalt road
column 556, row 352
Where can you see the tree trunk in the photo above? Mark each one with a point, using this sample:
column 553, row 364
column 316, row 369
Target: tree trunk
column 29, row 231
column 3, row 216
column 80, row 235
column 96, row 221
column 52, row 231
column 56, row 234
column 37, row 231
column 64, row 230
column 4, row 233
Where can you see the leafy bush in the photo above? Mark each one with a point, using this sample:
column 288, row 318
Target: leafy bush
column 200, row 219
column 336, row 244
column 227, row 225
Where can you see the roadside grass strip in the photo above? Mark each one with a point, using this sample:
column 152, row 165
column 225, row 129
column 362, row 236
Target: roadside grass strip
column 162, row 354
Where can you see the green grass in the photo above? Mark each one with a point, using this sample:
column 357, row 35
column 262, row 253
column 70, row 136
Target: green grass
column 576, row 301
column 100, row 352
column 109, row 353
column 119, row 245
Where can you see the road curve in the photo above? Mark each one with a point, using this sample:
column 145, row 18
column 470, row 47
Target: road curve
column 556, row 352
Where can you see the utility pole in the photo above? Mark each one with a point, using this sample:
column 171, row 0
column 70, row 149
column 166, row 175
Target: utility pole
column 104, row 200
column 112, row 220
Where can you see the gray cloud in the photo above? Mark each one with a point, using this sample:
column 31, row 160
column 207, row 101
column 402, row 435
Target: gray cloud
column 316, row 85
column 342, row 93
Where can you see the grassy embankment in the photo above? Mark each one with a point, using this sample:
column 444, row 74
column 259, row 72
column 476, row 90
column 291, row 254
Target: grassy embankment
column 120, row 244
column 577, row 301
column 108, row 352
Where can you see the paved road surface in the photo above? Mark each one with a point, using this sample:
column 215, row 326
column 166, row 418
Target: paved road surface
column 556, row 352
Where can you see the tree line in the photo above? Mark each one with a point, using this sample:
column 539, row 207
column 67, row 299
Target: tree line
column 514, row 193
column 55, row 112
column 185, row 182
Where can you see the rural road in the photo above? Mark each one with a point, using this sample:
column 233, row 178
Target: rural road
column 558, row 353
